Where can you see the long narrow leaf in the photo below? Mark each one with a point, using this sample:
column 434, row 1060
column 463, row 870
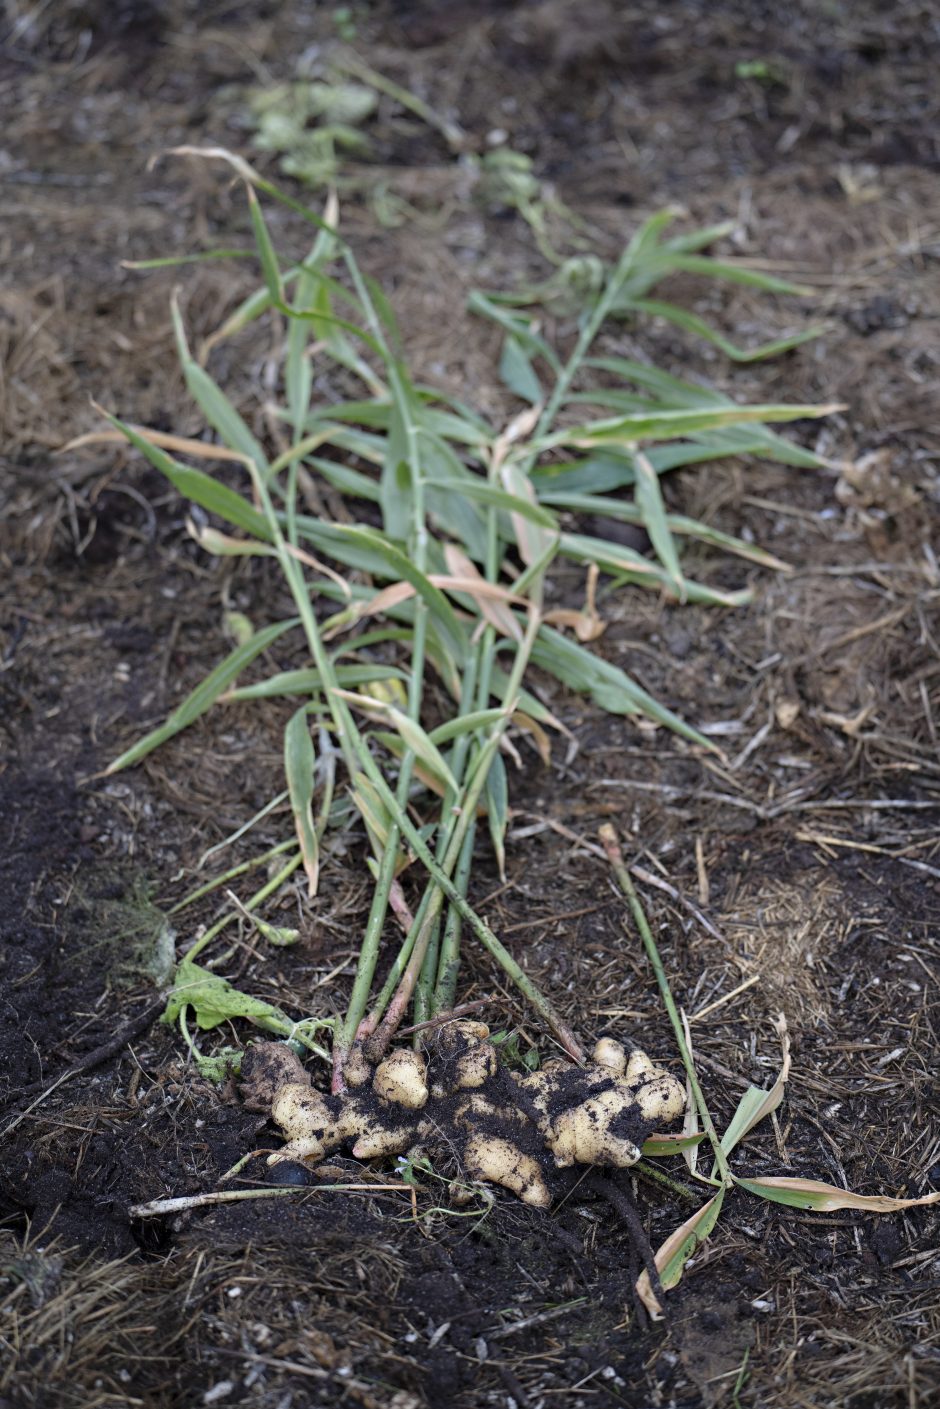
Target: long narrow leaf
column 632, row 567
column 213, row 403
column 627, row 430
column 733, row 273
column 205, row 694
column 649, row 501
column 756, row 1104
column 269, row 265
column 690, row 323
column 485, row 493
column 609, row 686
column 299, row 765
column 306, row 682
column 497, row 809
column 517, row 326
column 465, row 724
column 662, row 1145
column 828, row 1198
column 516, row 370
column 413, row 735
column 199, row 487
column 623, row 511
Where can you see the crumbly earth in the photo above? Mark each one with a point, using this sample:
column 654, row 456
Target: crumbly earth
column 810, row 857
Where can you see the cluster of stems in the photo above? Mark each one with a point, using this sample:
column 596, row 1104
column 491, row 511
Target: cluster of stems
column 426, row 967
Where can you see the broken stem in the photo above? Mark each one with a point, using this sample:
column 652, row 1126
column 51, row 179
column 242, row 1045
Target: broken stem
column 185, row 1202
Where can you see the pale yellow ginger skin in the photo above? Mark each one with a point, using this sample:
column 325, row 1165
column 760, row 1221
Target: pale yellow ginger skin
column 610, row 1054
column 401, row 1078
column 575, row 1115
column 498, row 1161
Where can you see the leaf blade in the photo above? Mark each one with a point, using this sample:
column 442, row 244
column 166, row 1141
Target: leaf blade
column 299, row 765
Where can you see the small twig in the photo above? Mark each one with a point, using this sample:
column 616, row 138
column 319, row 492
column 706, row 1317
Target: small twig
column 537, row 1319
column 441, row 1018
column 185, row 1202
column 645, row 1170
column 658, row 883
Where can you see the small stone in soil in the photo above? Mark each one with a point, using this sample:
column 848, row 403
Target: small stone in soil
column 291, row 1173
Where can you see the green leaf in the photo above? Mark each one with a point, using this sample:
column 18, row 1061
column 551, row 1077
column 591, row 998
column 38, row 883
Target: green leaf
column 373, row 811
column 269, row 265
column 627, row 430
column 649, row 501
column 205, row 694
column 517, row 372
column 410, row 731
column 214, row 1001
column 388, row 560
column 485, row 493
column 497, row 809
column 609, row 686
column 172, row 260
column 524, row 701
column 662, row 1145
column 464, row 429
column 670, row 390
column 310, row 681
column 214, row 404
column 347, row 481
column 517, row 325
column 690, row 323
column 597, row 474
column 299, row 765
column 756, row 1104
column 731, row 273
column 623, row 511
column 465, row 724
column 378, row 302
column 675, row 1252
column 630, row 566
column 248, row 311
column 447, row 481
column 199, row 487
column 699, row 239
column 298, row 371
column 759, row 440
column 395, row 487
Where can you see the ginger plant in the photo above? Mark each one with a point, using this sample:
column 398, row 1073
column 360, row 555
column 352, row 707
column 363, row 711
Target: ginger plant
column 472, row 519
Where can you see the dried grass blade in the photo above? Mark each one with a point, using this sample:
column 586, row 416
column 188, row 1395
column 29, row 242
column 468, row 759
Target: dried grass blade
column 181, row 444
column 828, row 1198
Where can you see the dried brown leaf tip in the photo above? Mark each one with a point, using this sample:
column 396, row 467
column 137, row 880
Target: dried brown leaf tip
column 515, row 1130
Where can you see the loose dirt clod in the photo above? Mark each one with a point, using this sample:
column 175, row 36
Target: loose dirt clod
column 506, row 1129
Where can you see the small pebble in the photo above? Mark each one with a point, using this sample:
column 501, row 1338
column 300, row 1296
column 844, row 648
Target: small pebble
column 290, row 1173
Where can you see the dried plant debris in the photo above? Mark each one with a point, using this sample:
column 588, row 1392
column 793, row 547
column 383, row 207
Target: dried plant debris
column 515, row 1130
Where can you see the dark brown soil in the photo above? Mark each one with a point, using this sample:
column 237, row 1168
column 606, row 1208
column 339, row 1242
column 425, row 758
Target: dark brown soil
column 817, row 875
